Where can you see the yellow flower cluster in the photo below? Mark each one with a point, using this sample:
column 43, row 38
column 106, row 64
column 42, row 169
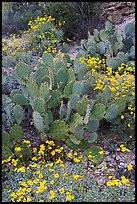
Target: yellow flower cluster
column 117, row 182
column 123, row 148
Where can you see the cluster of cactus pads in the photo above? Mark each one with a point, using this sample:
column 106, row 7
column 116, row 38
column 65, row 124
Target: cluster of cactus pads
column 59, row 98
column 114, row 46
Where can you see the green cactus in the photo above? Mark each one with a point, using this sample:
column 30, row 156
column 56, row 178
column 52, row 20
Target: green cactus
column 96, row 35
column 60, row 65
column 106, row 95
column 16, row 133
column 92, row 125
column 62, row 110
column 82, row 106
column 68, row 111
column 81, row 73
column 77, row 88
column 70, row 144
column 74, row 139
column 6, row 152
column 25, row 92
column 18, row 114
column 73, row 101
column 68, row 89
column 50, row 117
column 103, row 35
column 112, row 112
column 114, row 62
column 39, row 105
column 108, row 26
column 9, row 112
column 32, row 88
column 98, row 111
column 78, row 131
column 55, row 100
column 20, row 99
column 13, row 92
column 87, row 115
column 70, row 75
column 6, row 140
column 41, row 75
column 121, row 104
column 48, row 59
column 44, row 91
column 75, row 120
column 92, row 138
column 22, row 72
column 47, row 121
column 130, row 30
column 59, row 130
column 38, row 121
column 102, row 47
column 61, row 78
column 76, row 65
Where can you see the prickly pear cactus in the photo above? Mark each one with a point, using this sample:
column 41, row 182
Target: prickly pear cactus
column 61, row 78
column 44, row 91
column 87, row 115
column 68, row 89
column 55, row 100
column 73, row 101
column 121, row 104
column 70, row 75
column 78, row 131
column 92, row 138
column 6, row 139
column 75, row 120
column 112, row 112
column 16, row 133
column 18, row 114
column 98, row 111
column 77, row 88
column 81, row 106
column 48, row 59
column 22, row 72
column 92, row 125
column 74, row 139
column 20, row 99
column 38, row 121
column 39, row 105
column 32, row 88
column 41, row 75
column 59, row 130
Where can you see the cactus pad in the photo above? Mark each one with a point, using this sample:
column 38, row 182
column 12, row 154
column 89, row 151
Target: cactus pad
column 74, row 139
column 22, row 72
column 16, row 133
column 20, row 99
column 68, row 89
column 33, row 89
column 76, row 119
column 6, row 140
column 92, row 125
column 78, row 131
column 77, row 88
column 44, row 91
column 112, row 112
column 39, row 105
column 59, row 130
column 48, row 59
column 70, row 75
column 38, row 121
column 55, row 99
column 41, row 75
column 81, row 106
column 18, row 114
column 98, row 111
column 92, row 138
column 73, row 101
